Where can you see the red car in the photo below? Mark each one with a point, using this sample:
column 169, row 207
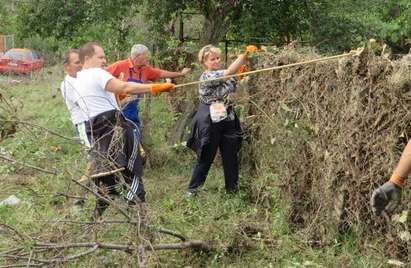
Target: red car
column 20, row 61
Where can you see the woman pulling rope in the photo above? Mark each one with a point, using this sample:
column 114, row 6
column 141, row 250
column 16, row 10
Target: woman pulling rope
column 215, row 124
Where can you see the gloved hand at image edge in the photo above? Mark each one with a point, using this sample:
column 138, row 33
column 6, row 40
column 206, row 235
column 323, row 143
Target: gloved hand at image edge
column 387, row 197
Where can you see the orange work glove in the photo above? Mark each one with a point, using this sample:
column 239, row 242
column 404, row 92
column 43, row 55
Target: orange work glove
column 242, row 69
column 162, row 87
column 121, row 96
column 250, row 49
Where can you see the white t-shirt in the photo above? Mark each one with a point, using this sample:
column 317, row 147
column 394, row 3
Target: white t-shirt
column 69, row 95
column 92, row 97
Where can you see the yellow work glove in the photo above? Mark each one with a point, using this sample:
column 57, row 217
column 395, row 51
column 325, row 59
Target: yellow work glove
column 162, row 87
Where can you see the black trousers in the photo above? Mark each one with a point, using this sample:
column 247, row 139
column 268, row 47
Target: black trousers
column 223, row 136
column 109, row 151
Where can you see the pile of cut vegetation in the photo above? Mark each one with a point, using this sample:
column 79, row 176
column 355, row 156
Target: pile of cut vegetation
column 332, row 131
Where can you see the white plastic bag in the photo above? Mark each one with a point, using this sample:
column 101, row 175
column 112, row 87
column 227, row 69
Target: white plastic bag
column 218, row 112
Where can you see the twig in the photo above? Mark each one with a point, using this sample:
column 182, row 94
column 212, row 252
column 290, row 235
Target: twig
column 96, row 194
column 41, row 127
column 107, row 173
column 75, row 256
column 10, row 251
column 194, row 244
column 102, row 174
column 94, row 222
column 27, row 165
column 70, row 196
column 29, row 260
column 25, row 258
column 15, row 231
column 160, row 230
column 22, row 265
column 170, row 232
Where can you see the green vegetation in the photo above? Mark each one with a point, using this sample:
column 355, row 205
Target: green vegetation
column 244, row 230
column 249, row 229
column 325, row 24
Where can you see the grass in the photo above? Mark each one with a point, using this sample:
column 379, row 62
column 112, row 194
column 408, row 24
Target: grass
column 245, row 231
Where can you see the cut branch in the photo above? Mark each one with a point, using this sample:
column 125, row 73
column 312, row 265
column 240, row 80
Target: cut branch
column 26, row 165
column 42, row 128
column 194, row 244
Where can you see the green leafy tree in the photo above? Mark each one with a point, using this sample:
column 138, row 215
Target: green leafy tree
column 7, row 17
column 218, row 16
column 74, row 22
column 271, row 21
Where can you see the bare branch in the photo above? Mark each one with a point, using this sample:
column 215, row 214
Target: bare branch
column 27, row 165
column 194, row 244
column 102, row 174
column 42, row 128
column 22, row 237
column 95, row 193
column 75, row 256
column 170, row 232
column 70, row 196
column 107, row 173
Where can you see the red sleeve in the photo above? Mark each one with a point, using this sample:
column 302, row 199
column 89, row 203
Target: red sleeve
column 113, row 69
column 153, row 74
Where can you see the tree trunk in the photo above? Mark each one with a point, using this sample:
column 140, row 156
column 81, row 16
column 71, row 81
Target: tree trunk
column 213, row 30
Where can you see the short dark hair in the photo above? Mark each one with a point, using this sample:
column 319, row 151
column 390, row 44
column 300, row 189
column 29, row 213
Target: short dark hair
column 87, row 50
column 66, row 58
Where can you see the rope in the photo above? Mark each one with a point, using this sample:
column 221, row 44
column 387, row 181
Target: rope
column 352, row 53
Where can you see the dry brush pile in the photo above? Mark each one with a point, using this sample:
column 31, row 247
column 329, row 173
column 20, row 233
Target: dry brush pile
column 332, row 131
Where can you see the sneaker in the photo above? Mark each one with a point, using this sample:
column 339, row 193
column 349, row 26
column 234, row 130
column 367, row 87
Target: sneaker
column 190, row 194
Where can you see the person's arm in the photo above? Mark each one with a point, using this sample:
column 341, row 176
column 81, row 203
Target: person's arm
column 235, row 66
column 403, row 167
column 168, row 74
column 241, row 59
column 118, row 87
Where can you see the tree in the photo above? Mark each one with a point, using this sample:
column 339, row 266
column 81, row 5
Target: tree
column 342, row 25
column 271, row 21
column 218, row 16
column 79, row 21
column 7, row 17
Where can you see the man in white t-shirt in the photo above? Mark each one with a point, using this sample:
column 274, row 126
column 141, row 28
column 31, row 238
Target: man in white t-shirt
column 112, row 137
column 72, row 65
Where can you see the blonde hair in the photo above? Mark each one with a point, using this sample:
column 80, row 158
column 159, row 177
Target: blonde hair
column 206, row 51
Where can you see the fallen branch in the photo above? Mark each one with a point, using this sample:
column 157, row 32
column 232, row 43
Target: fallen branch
column 160, row 230
column 22, row 237
column 70, row 196
column 99, row 175
column 42, row 128
column 96, row 194
column 194, row 244
column 27, row 165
